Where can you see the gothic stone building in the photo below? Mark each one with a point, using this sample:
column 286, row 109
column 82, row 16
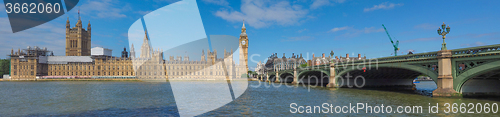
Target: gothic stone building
column 211, row 67
column 81, row 62
column 31, row 63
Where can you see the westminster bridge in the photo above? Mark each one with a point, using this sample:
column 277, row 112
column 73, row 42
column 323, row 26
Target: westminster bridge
column 474, row 70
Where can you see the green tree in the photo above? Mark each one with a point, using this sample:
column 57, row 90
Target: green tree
column 303, row 65
column 4, row 67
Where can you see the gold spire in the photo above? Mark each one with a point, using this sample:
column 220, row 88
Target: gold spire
column 243, row 27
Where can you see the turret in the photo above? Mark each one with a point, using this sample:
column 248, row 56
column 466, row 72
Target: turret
column 203, row 55
column 186, row 58
column 132, row 51
column 67, row 24
column 124, row 53
column 88, row 29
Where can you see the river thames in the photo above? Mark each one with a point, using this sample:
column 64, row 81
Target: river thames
column 91, row 98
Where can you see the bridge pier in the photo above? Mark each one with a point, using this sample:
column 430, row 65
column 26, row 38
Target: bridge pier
column 267, row 77
column 295, row 77
column 332, row 82
column 445, row 78
column 277, row 79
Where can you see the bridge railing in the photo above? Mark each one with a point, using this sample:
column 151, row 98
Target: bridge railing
column 402, row 57
column 475, row 50
column 427, row 55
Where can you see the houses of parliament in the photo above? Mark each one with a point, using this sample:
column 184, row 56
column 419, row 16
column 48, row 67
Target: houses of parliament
column 83, row 62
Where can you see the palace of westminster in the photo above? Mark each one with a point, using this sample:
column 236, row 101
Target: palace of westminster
column 82, row 61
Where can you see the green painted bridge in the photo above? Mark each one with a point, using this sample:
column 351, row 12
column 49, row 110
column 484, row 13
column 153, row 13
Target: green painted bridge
column 465, row 71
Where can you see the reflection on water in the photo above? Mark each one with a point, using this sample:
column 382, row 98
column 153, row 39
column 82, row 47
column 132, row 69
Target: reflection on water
column 85, row 98
column 156, row 99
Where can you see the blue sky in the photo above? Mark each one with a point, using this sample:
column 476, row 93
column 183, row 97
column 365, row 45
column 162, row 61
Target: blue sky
column 302, row 26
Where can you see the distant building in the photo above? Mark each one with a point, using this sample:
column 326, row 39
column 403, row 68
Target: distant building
column 274, row 63
column 326, row 60
column 260, row 68
column 81, row 61
column 210, row 66
column 100, row 51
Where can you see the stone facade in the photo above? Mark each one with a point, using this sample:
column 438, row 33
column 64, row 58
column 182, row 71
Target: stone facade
column 28, row 63
column 78, row 40
column 32, row 63
column 210, row 66
column 274, row 63
column 207, row 68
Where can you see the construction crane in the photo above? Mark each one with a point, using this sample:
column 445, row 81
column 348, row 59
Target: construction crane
column 396, row 49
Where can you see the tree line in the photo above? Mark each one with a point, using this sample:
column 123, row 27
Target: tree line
column 4, row 67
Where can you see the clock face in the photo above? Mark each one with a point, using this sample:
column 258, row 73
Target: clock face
column 243, row 42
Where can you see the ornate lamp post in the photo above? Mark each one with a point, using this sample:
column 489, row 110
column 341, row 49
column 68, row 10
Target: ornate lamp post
column 331, row 57
column 443, row 33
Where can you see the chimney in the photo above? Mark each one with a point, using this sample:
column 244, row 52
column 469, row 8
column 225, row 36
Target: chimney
column 359, row 56
column 347, row 56
column 337, row 58
column 313, row 56
column 323, row 55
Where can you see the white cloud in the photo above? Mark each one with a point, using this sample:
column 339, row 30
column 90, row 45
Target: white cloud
column 105, row 9
column 319, row 3
column 473, row 44
column 301, row 38
column 217, row 2
column 372, row 29
column 263, row 13
column 339, row 29
column 352, row 32
column 143, row 12
column 302, row 30
column 426, row 26
column 2, row 6
column 50, row 35
column 385, row 5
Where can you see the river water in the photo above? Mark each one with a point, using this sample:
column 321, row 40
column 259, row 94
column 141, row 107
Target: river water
column 260, row 99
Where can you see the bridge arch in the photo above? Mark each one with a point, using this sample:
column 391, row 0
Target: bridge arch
column 286, row 77
column 374, row 76
column 468, row 81
column 272, row 77
column 307, row 75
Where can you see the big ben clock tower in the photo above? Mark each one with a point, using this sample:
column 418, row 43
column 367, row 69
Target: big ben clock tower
column 243, row 48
